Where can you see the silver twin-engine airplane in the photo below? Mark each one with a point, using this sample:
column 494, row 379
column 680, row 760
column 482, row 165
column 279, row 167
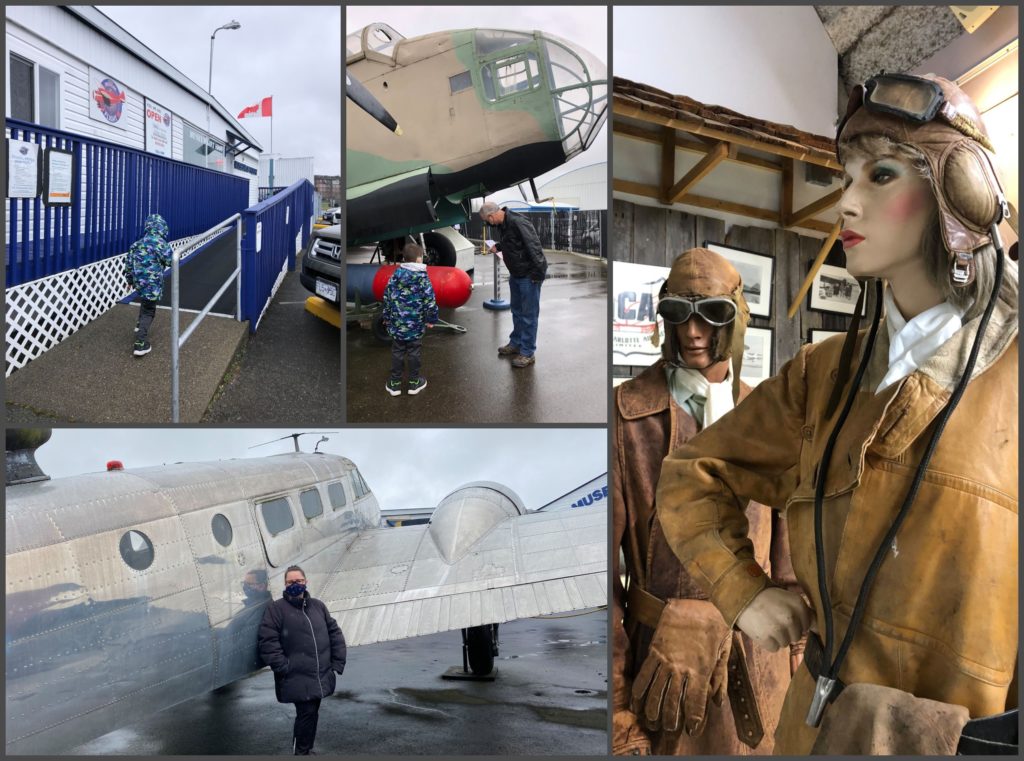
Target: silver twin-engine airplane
column 129, row 591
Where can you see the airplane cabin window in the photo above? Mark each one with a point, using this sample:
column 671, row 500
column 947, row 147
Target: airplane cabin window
column 277, row 515
column 492, row 40
column 336, row 493
column 137, row 550
column 511, row 76
column 311, row 504
column 460, row 82
column 222, row 530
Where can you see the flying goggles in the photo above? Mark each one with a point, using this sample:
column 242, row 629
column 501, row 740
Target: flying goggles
column 915, row 99
column 717, row 311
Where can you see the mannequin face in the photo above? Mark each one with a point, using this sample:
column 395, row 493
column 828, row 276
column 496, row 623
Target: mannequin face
column 886, row 209
column 694, row 337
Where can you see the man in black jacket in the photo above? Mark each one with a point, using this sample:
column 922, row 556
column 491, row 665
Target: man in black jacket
column 304, row 646
column 520, row 248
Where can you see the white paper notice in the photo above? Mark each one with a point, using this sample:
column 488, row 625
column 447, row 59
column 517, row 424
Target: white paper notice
column 59, row 173
column 22, row 169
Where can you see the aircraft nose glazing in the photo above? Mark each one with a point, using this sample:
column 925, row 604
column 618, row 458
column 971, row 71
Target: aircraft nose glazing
column 579, row 90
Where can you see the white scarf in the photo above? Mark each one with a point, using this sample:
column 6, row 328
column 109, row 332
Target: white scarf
column 912, row 343
column 689, row 385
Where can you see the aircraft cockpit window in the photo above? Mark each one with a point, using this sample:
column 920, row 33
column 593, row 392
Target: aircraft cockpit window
column 460, row 82
column 277, row 515
column 222, row 530
column 336, row 493
column 137, row 550
column 494, row 40
column 312, row 506
column 511, row 76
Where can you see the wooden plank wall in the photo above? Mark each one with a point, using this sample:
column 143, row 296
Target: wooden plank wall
column 649, row 235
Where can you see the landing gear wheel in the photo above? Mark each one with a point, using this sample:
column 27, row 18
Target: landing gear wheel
column 480, row 644
column 379, row 331
column 440, row 252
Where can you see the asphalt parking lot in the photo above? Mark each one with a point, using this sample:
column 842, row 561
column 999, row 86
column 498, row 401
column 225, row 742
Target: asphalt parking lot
column 469, row 384
column 549, row 698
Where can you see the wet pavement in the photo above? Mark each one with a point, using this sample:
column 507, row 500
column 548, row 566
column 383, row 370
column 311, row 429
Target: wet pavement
column 289, row 372
column 549, row 698
column 469, row 383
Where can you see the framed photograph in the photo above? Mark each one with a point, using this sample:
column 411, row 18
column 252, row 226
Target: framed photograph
column 834, row 290
column 637, row 331
column 757, row 355
column 758, row 273
column 817, row 335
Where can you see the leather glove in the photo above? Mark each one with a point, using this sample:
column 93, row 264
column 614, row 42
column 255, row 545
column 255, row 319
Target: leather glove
column 628, row 737
column 687, row 665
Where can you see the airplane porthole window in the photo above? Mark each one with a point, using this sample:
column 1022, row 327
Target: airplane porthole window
column 222, row 530
column 137, row 550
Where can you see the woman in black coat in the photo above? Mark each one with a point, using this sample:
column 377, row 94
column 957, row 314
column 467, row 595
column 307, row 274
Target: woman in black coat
column 304, row 647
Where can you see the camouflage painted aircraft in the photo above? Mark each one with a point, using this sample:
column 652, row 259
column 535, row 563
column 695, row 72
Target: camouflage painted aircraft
column 480, row 110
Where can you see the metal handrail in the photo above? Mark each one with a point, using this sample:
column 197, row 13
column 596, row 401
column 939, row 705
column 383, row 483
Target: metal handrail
column 176, row 341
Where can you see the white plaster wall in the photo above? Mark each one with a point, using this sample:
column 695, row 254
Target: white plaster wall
column 771, row 62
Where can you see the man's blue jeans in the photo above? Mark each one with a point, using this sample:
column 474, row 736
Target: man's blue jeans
column 525, row 300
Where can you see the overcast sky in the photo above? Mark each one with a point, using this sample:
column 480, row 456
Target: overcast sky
column 585, row 26
column 405, row 468
column 290, row 52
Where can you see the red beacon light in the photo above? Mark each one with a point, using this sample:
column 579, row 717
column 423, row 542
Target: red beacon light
column 115, row 465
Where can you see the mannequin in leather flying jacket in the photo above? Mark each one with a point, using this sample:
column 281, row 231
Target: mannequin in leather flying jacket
column 672, row 648
column 934, row 607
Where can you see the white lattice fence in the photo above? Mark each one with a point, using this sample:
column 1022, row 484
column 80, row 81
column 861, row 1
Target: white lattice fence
column 42, row 313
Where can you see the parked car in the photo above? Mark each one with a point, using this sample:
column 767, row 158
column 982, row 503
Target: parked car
column 332, row 216
column 321, row 265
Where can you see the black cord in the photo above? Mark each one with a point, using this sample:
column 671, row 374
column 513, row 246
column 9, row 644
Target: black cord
column 826, row 458
column 961, row 387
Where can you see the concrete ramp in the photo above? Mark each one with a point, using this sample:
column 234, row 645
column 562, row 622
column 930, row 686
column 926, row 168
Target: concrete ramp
column 92, row 376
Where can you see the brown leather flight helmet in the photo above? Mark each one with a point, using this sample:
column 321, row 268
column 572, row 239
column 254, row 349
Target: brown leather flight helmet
column 937, row 118
column 701, row 273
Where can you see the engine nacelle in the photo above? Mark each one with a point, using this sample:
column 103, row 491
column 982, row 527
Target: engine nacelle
column 468, row 514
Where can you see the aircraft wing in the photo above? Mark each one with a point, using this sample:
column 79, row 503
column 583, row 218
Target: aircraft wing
column 409, row 581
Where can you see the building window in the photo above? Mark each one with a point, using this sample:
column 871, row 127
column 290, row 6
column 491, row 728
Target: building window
column 336, row 493
column 311, row 504
column 137, row 550
column 49, row 98
column 21, row 89
column 277, row 515
column 202, row 150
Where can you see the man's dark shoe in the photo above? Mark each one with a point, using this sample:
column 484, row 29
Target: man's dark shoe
column 520, row 361
column 417, row 384
column 141, row 348
column 508, row 350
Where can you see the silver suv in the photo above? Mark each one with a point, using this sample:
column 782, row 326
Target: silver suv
column 321, row 264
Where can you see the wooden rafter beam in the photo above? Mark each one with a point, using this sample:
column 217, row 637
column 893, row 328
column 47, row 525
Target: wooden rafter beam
column 786, row 194
column 712, row 159
column 699, row 128
column 822, row 204
column 668, row 161
column 715, row 204
column 636, row 132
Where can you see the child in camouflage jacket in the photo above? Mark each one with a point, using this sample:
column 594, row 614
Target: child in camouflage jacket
column 144, row 270
column 409, row 308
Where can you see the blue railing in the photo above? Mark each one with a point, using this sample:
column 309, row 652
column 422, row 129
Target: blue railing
column 115, row 188
column 271, row 229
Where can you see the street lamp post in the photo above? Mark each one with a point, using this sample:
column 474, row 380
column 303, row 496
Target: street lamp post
column 209, row 85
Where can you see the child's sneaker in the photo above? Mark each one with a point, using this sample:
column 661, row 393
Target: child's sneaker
column 417, row 384
column 393, row 387
column 141, row 348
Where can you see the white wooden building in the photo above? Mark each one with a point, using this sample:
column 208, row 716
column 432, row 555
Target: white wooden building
column 62, row 59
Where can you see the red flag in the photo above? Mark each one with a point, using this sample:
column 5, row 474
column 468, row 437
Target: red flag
column 263, row 108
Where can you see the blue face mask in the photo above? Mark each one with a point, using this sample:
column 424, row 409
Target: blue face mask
column 295, row 589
